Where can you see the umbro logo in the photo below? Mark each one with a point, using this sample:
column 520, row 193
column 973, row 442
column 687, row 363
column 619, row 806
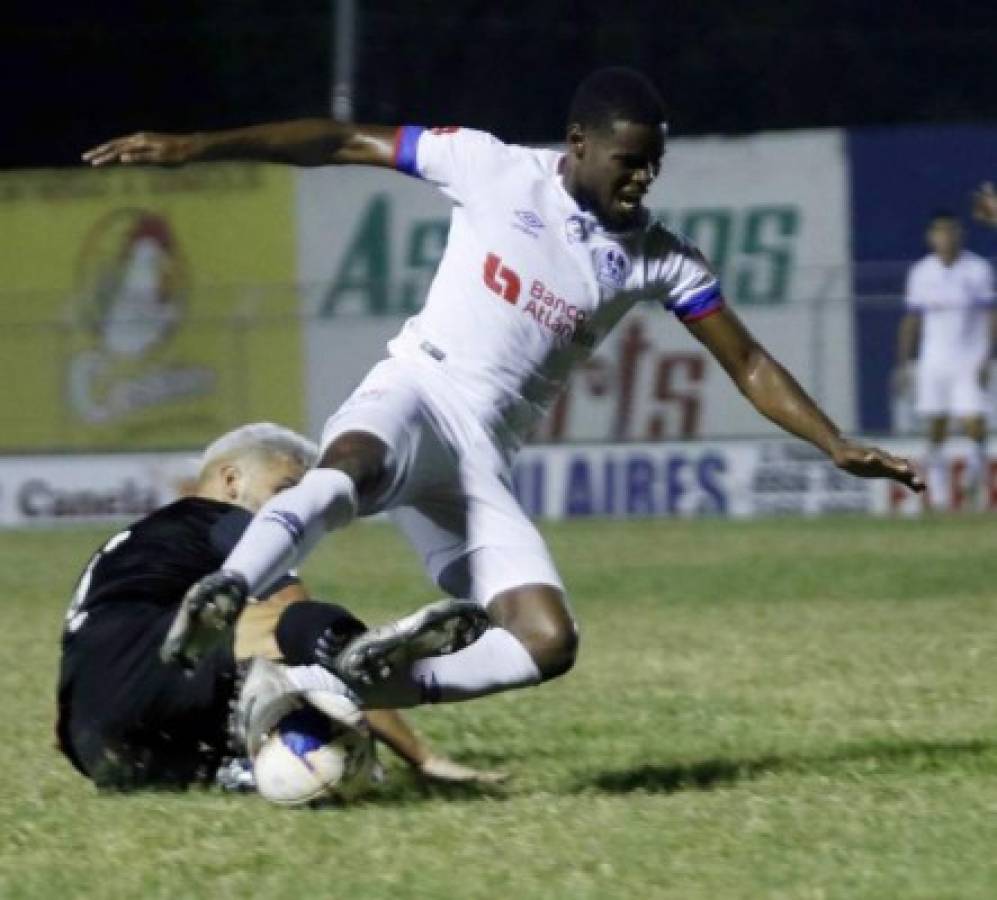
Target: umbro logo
column 528, row 222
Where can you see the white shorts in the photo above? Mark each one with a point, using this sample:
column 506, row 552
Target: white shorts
column 450, row 491
column 950, row 390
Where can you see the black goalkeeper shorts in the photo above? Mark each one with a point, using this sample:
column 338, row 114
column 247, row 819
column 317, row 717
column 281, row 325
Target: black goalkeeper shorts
column 127, row 720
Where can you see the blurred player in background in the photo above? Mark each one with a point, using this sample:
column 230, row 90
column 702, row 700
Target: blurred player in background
column 950, row 308
column 546, row 252
column 985, row 204
column 125, row 719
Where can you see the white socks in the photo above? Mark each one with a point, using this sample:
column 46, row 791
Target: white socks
column 936, row 470
column 288, row 525
column 976, row 464
column 315, row 678
column 497, row 661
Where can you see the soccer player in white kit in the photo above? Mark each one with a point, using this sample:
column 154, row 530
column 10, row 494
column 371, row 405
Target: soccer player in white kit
column 547, row 250
column 949, row 298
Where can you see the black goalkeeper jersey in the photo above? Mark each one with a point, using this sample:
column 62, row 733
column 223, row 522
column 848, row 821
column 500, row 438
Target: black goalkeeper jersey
column 157, row 558
column 145, row 570
column 111, row 681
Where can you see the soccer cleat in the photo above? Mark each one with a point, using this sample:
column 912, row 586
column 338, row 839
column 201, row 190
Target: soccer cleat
column 266, row 696
column 205, row 619
column 435, row 630
column 235, row 776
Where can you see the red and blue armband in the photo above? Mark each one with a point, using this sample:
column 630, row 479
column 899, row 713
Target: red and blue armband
column 406, row 145
column 700, row 305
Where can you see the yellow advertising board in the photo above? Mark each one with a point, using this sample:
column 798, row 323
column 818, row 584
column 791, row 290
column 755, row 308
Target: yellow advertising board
column 146, row 308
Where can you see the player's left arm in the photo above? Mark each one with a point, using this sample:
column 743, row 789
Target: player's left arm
column 778, row 396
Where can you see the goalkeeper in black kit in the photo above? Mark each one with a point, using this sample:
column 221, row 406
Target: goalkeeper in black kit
column 126, row 719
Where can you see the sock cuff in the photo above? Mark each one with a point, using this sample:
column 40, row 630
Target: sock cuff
column 334, row 492
column 301, row 624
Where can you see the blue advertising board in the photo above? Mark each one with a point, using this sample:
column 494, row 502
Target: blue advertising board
column 898, row 177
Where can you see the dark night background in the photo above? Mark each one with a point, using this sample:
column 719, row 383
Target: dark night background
column 74, row 74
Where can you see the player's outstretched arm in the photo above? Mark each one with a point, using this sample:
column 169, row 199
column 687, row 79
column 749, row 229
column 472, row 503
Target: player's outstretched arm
column 302, row 142
column 389, row 727
column 778, row 396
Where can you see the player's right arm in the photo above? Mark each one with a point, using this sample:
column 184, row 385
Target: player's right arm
column 908, row 332
column 301, row 142
column 391, row 728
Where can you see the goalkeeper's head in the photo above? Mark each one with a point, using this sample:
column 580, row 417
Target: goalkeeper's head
column 249, row 465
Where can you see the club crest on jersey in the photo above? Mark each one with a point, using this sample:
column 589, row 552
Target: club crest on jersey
column 612, row 267
column 528, row 222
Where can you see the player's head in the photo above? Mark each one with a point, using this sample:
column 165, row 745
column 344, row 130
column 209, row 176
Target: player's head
column 249, row 465
column 616, row 139
column 944, row 234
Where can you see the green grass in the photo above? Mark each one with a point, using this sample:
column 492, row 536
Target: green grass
column 781, row 709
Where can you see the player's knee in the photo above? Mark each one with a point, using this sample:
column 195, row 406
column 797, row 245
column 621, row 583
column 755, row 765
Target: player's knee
column 363, row 457
column 555, row 649
column 975, row 428
column 539, row 617
column 938, row 429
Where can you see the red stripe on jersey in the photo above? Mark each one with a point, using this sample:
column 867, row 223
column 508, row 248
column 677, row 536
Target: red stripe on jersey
column 703, row 314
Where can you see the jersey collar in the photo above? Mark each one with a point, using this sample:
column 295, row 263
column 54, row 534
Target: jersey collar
column 590, row 222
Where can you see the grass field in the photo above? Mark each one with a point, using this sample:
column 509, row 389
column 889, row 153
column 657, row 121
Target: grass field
column 781, row 709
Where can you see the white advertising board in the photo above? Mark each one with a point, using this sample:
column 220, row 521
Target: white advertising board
column 739, row 479
column 54, row 490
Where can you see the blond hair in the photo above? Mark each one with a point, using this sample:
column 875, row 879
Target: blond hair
column 260, row 439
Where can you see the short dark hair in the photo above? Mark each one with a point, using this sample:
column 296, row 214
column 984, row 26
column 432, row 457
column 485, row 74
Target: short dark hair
column 942, row 213
column 616, row 94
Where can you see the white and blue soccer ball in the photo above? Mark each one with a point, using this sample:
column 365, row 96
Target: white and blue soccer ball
column 314, row 755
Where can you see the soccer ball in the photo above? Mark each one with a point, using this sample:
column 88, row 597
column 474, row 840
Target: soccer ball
column 312, row 756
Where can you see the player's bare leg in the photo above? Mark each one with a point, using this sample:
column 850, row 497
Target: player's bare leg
column 538, row 616
column 361, row 456
column 935, row 467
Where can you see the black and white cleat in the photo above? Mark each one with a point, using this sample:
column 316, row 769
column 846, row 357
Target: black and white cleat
column 205, row 619
column 235, row 776
column 266, row 695
column 435, row 630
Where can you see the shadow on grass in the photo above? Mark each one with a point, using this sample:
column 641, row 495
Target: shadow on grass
column 873, row 758
column 404, row 789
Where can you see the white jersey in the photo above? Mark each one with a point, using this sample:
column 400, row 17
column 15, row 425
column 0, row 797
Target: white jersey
column 529, row 283
column 954, row 303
